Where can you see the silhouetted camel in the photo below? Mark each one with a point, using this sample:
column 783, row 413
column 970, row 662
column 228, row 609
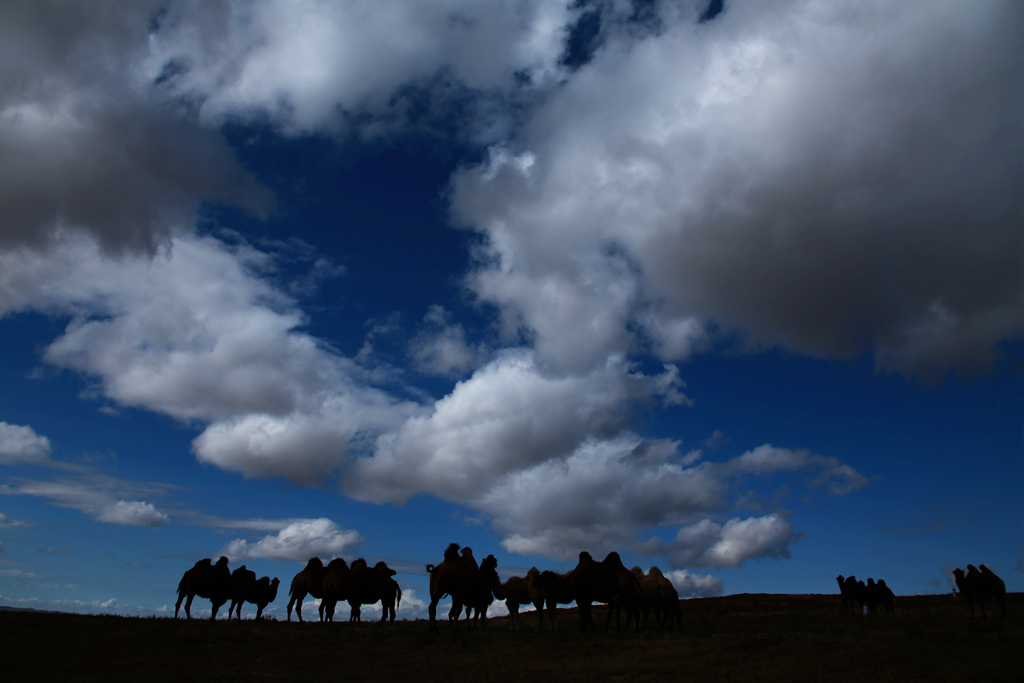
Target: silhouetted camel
column 261, row 593
column 336, row 584
column 242, row 580
column 307, row 582
column 878, row 593
column 518, row 591
column 210, row 581
column 658, row 594
column 980, row 585
column 368, row 586
column 607, row 581
column 457, row 576
column 852, row 594
column 555, row 589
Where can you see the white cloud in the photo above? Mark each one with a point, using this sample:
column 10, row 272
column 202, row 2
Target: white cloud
column 133, row 513
column 104, row 498
column 21, row 445
column 300, row 540
column 709, row 544
column 307, row 64
column 695, row 585
column 830, row 177
column 196, row 333
column 509, row 415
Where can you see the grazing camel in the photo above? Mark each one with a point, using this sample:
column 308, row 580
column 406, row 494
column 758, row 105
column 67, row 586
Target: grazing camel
column 308, row 581
column 242, row 580
column 207, row 580
column 980, row 585
column 336, row 585
column 659, row 595
column 607, row 581
column 369, row 586
column 458, row 575
column 517, row 591
column 261, row 593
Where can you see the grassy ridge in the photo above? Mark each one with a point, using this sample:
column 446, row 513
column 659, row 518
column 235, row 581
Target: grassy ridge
column 740, row 637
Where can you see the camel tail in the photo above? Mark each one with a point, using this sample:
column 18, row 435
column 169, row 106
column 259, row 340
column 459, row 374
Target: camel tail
column 398, row 598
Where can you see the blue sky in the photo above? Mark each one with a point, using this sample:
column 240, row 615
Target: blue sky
column 733, row 290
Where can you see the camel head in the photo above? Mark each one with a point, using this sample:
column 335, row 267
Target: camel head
column 489, row 563
column 222, row 562
column 383, row 568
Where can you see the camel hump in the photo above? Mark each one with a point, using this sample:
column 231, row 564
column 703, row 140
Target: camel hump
column 613, row 558
column 654, row 571
column 452, row 552
column 205, row 562
column 358, row 564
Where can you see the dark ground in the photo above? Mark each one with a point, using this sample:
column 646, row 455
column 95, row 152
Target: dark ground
column 733, row 638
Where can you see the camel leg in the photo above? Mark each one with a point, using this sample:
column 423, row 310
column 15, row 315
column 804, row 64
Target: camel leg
column 216, row 606
column 259, row 611
column 177, row 605
column 432, row 615
column 188, row 606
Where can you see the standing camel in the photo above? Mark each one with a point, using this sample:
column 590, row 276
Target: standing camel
column 207, row 580
column 457, row 576
column 308, row 581
column 607, row 581
column 517, row 591
column 369, row 586
column 659, row 595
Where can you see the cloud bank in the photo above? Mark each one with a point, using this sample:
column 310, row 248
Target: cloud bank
column 830, row 178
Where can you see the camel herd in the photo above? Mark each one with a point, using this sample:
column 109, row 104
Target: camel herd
column 474, row 586
column 218, row 584
column 857, row 595
column 978, row 585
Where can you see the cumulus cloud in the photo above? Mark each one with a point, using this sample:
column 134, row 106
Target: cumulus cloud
column 85, row 143
column 315, row 66
column 832, row 178
column 640, row 209
column 299, row 540
column 199, row 333
column 695, row 585
column 509, row 415
column 21, row 445
column 132, row 513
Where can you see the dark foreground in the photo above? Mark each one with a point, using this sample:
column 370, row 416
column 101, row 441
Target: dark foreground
column 734, row 638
